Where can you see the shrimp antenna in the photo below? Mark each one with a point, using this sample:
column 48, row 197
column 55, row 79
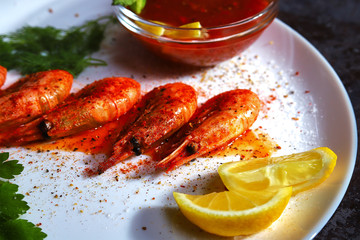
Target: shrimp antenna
column 184, row 153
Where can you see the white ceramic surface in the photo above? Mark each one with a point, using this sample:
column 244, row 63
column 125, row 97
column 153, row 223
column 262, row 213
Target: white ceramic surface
column 307, row 107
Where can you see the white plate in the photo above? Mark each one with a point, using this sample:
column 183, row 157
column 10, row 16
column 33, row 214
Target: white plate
column 140, row 205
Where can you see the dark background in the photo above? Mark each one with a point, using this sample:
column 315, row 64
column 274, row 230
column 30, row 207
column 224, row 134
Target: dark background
column 333, row 27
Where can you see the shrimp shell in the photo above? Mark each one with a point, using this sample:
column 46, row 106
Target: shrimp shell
column 32, row 96
column 3, row 72
column 94, row 105
column 98, row 103
column 217, row 123
column 165, row 110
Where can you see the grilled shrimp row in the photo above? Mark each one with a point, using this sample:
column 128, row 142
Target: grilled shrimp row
column 166, row 121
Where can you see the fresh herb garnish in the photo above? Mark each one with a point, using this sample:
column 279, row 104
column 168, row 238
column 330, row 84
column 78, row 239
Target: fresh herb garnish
column 34, row 49
column 135, row 5
column 12, row 205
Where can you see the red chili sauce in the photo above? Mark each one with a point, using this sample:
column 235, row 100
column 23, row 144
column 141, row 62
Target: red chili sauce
column 230, row 40
column 210, row 13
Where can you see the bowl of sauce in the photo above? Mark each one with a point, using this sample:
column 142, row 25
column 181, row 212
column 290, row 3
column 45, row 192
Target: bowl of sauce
column 198, row 32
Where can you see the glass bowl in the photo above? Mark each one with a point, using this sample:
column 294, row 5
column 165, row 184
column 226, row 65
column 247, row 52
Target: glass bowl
column 197, row 46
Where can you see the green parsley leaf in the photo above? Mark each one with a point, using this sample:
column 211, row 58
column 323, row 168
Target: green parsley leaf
column 9, row 169
column 11, row 204
column 20, row 229
column 138, row 6
column 125, row 3
column 135, row 5
column 34, row 49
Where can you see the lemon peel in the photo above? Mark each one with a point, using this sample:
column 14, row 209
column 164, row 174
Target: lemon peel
column 259, row 190
column 302, row 171
column 156, row 30
column 233, row 213
column 194, row 32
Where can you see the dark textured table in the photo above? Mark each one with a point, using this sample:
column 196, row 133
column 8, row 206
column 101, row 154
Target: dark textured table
column 333, row 27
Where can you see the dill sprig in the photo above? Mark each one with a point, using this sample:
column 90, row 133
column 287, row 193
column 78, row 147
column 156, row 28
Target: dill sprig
column 33, row 49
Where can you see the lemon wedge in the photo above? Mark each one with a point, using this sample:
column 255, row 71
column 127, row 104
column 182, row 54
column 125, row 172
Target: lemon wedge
column 156, row 30
column 302, row 171
column 175, row 34
column 233, row 213
column 180, row 34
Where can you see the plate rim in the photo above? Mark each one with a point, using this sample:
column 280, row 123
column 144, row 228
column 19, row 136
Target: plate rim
column 354, row 138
